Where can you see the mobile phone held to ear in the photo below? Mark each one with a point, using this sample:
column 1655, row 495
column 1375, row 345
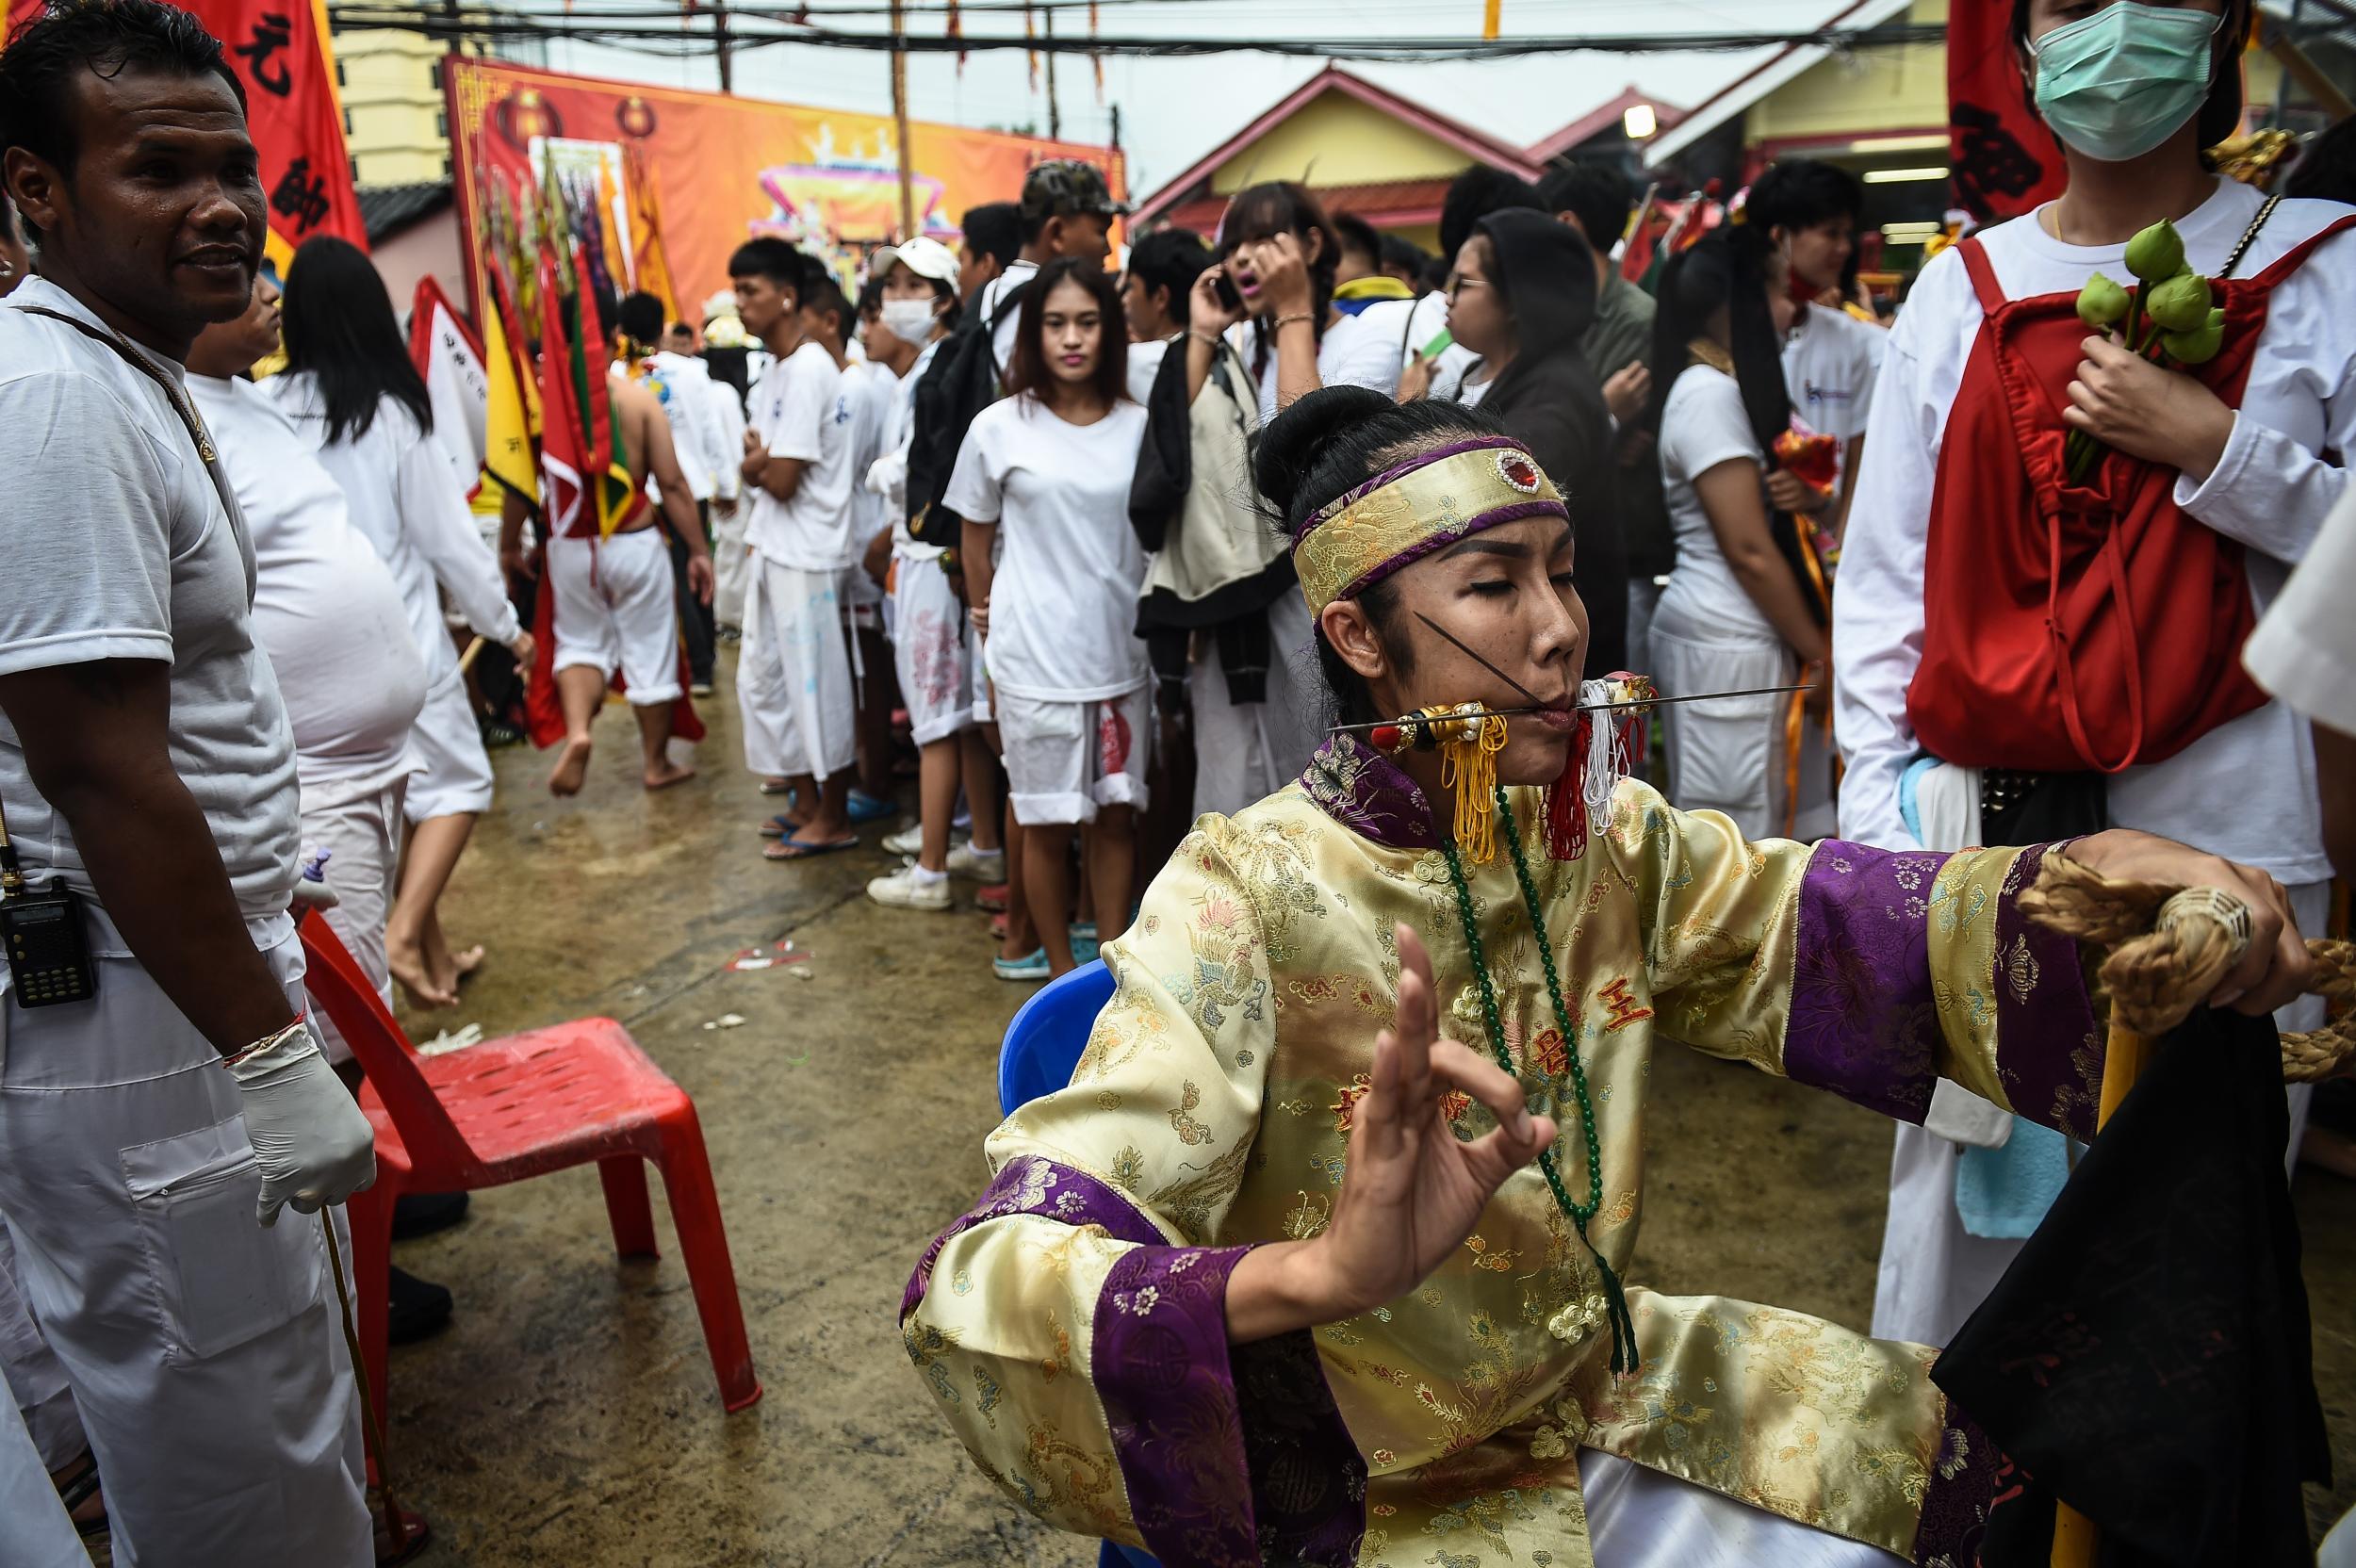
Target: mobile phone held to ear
column 1224, row 286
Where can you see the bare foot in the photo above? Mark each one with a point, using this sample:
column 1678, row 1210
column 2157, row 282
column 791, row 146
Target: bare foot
column 572, row 767
column 666, row 775
column 406, row 962
column 465, row 963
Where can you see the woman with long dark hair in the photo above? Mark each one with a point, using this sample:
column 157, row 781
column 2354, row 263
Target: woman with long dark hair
column 1278, row 252
column 351, row 386
column 1522, row 297
column 1745, row 605
column 1284, row 1276
column 1053, row 571
column 2058, row 545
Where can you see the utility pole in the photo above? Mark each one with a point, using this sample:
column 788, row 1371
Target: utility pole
column 900, row 121
column 720, row 44
column 1055, row 118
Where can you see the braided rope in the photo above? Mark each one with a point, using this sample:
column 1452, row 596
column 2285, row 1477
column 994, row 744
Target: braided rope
column 2154, row 977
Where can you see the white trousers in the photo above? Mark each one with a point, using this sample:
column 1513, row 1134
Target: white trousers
column 731, row 565
column 35, row 1377
column 37, row 1534
column 793, row 675
column 1729, row 755
column 453, row 774
column 615, row 612
column 363, row 835
column 929, row 650
column 1934, row 1273
column 1246, row 752
column 1641, row 1518
column 203, row 1351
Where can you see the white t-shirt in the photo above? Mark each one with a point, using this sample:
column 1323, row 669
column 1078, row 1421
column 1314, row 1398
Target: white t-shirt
column 118, row 547
column 1006, row 320
column 1063, row 606
column 1828, row 362
column 801, row 413
column 1702, row 425
column 325, row 608
column 405, row 501
column 727, row 423
column 871, row 390
column 1145, row 363
column 1363, row 349
column 678, row 384
column 2247, row 790
column 2304, row 651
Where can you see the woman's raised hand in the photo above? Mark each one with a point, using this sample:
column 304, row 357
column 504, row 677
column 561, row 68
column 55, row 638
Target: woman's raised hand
column 1207, row 310
column 1413, row 1189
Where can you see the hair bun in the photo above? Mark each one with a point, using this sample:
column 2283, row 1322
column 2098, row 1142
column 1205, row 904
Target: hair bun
column 1290, row 447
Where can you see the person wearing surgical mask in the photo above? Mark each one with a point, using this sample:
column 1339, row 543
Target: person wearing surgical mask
column 1964, row 717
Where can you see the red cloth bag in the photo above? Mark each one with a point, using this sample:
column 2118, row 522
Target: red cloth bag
column 2069, row 627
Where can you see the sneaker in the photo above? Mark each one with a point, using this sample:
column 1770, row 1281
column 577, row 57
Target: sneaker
column 986, row 866
column 993, row 897
column 1084, row 950
column 906, row 888
column 420, row 1307
column 1032, row 965
column 1083, row 931
column 910, row 841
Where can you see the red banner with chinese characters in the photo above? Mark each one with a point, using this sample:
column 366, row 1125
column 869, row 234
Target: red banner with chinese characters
column 2003, row 159
column 279, row 52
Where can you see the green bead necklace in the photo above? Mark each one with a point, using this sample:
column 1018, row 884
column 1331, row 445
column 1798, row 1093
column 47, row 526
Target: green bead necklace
column 1575, row 1318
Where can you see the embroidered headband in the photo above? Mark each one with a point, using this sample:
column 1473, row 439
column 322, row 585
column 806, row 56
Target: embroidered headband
column 1425, row 504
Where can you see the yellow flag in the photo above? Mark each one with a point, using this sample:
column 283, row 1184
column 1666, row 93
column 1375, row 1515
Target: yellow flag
column 506, row 431
column 650, row 264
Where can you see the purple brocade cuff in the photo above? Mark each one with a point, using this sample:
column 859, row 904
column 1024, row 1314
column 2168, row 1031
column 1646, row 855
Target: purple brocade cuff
column 1862, row 1021
column 1030, row 1185
column 1231, row 1455
column 1963, row 1481
column 2049, row 1044
column 1369, row 793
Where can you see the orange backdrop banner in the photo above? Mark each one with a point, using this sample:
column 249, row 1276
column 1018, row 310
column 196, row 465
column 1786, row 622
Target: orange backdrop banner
column 278, row 49
column 726, row 169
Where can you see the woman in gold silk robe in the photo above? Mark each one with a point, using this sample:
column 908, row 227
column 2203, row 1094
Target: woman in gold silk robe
column 1273, row 1279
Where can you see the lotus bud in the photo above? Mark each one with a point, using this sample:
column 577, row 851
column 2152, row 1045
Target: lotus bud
column 2198, row 347
column 2157, row 253
column 2179, row 305
column 2102, row 303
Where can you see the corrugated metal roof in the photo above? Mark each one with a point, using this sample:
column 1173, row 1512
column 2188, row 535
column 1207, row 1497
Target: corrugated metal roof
column 388, row 209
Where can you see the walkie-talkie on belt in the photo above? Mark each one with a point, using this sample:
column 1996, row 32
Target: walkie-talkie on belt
column 48, row 947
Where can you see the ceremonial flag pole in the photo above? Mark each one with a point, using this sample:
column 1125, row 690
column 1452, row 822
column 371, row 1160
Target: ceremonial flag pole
column 900, row 121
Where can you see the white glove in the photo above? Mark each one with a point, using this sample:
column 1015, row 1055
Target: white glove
column 310, row 1141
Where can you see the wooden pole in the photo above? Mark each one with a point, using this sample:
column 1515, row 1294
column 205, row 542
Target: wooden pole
column 1054, row 117
column 720, row 44
column 900, row 121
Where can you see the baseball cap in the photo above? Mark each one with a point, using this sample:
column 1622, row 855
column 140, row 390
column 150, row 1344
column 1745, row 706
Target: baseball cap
column 1066, row 187
column 924, row 257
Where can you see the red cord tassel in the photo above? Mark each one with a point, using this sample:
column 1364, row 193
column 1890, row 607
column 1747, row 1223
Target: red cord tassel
column 1566, row 799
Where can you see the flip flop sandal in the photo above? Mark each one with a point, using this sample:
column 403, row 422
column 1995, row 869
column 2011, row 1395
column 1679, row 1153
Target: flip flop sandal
column 773, row 787
column 776, row 827
column 803, row 849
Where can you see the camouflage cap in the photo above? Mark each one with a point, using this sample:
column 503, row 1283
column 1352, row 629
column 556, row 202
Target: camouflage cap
column 1066, row 187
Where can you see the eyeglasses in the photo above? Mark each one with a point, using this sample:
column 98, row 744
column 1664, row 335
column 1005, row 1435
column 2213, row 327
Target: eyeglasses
column 1459, row 282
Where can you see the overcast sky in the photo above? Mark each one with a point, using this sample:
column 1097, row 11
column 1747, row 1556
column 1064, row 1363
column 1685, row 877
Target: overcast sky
column 1172, row 112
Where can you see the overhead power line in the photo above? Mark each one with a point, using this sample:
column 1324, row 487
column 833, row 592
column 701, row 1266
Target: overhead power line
column 669, row 31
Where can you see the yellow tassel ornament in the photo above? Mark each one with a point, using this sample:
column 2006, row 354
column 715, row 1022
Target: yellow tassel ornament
column 1469, row 744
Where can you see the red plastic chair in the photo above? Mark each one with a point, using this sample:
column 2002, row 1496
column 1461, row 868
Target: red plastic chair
column 524, row 1105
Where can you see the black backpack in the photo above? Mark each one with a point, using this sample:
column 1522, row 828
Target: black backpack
column 961, row 381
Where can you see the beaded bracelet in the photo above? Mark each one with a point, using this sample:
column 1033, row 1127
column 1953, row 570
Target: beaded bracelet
column 1283, row 321
column 1201, row 336
column 302, row 1022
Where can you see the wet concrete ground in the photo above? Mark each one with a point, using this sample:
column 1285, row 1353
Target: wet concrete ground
column 569, row 1413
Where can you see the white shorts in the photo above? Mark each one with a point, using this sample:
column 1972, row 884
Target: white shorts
column 929, row 650
column 731, row 564
column 363, row 835
column 614, row 611
column 453, row 774
column 979, row 675
column 1064, row 760
column 203, row 1351
column 1729, row 755
column 793, row 675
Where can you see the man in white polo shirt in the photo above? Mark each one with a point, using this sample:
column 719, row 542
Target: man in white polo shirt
column 146, row 766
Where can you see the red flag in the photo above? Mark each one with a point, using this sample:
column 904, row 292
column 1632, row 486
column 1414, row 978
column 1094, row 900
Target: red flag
column 2004, row 160
column 563, row 446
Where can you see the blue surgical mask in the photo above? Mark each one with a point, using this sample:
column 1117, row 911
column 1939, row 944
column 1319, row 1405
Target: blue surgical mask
column 2125, row 79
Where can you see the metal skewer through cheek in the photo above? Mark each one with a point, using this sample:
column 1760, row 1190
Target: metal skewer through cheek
column 1418, row 731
